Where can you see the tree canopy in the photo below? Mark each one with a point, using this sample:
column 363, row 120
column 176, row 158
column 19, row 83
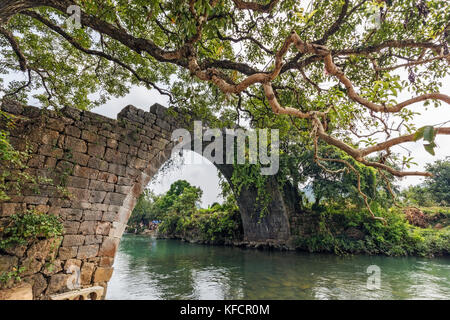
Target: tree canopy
column 333, row 72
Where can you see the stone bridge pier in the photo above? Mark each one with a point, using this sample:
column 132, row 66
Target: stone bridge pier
column 103, row 165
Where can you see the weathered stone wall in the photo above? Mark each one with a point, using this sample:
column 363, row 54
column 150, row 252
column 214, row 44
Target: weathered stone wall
column 104, row 164
column 99, row 167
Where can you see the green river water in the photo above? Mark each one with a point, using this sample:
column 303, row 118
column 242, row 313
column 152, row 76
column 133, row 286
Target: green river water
column 147, row 268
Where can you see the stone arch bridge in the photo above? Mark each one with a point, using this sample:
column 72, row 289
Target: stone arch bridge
column 104, row 164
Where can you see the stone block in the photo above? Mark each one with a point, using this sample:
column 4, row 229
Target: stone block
column 78, row 182
column 7, row 263
column 58, row 283
column 79, row 158
column 117, row 169
column 38, row 283
column 114, row 198
column 102, row 274
column 88, row 251
column 23, row 291
column 75, row 144
column 109, row 216
column 106, row 262
column 72, row 131
column 101, row 186
column 93, row 239
column 114, row 156
column 50, row 151
column 73, row 240
column 89, row 136
column 8, row 209
column 67, row 252
column 97, row 196
column 91, row 215
column 107, row 177
column 71, row 214
column 112, row 143
column 96, row 150
column 71, row 263
column 109, row 247
column 49, row 137
column 78, row 194
column 100, row 207
column 123, row 189
column 86, row 273
column 87, row 227
column 124, row 181
column 71, row 227
column 98, row 164
column 55, row 124
column 103, row 228
column 35, row 200
column 123, row 147
column 85, row 172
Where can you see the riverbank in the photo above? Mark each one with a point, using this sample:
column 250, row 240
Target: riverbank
column 339, row 233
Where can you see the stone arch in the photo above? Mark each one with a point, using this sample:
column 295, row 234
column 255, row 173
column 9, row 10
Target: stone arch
column 104, row 164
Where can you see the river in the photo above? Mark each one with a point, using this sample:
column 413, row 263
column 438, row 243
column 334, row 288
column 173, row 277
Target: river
column 147, row 268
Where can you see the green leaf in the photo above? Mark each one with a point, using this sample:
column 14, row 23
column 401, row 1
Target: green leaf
column 419, row 134
column 430, row 148
column 428, row 133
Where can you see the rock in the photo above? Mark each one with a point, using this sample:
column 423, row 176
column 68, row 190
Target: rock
column 93, row 239
column 109, row 247
column 87, row 227
column 24, row 291
column 44, row 249
column 89, row 251
column 103, row 228
column 438, row 226
column 67, row 252
column 73, row 240
column 86, row 273
column 416, row 217
column 7, row 263
column 103, row 274
column 12, row 106
column 38, row 283
column 52, row 267
column 58, row 282
column 72, row 262
column 18, row 251
column 106, row 262
column 31, row 266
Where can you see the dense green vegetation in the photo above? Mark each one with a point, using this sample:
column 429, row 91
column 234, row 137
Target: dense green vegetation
column 182, row 218
column 335, row 221
column 435, row 191
column 351, row 231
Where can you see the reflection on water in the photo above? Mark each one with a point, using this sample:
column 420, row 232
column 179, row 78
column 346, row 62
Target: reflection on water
column 147, row 268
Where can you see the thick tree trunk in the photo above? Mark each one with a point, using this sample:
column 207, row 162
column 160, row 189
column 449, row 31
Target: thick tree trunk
column 274, row 224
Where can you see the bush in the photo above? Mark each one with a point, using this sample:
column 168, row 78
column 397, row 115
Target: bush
column 30, row 225
column 395, row 238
